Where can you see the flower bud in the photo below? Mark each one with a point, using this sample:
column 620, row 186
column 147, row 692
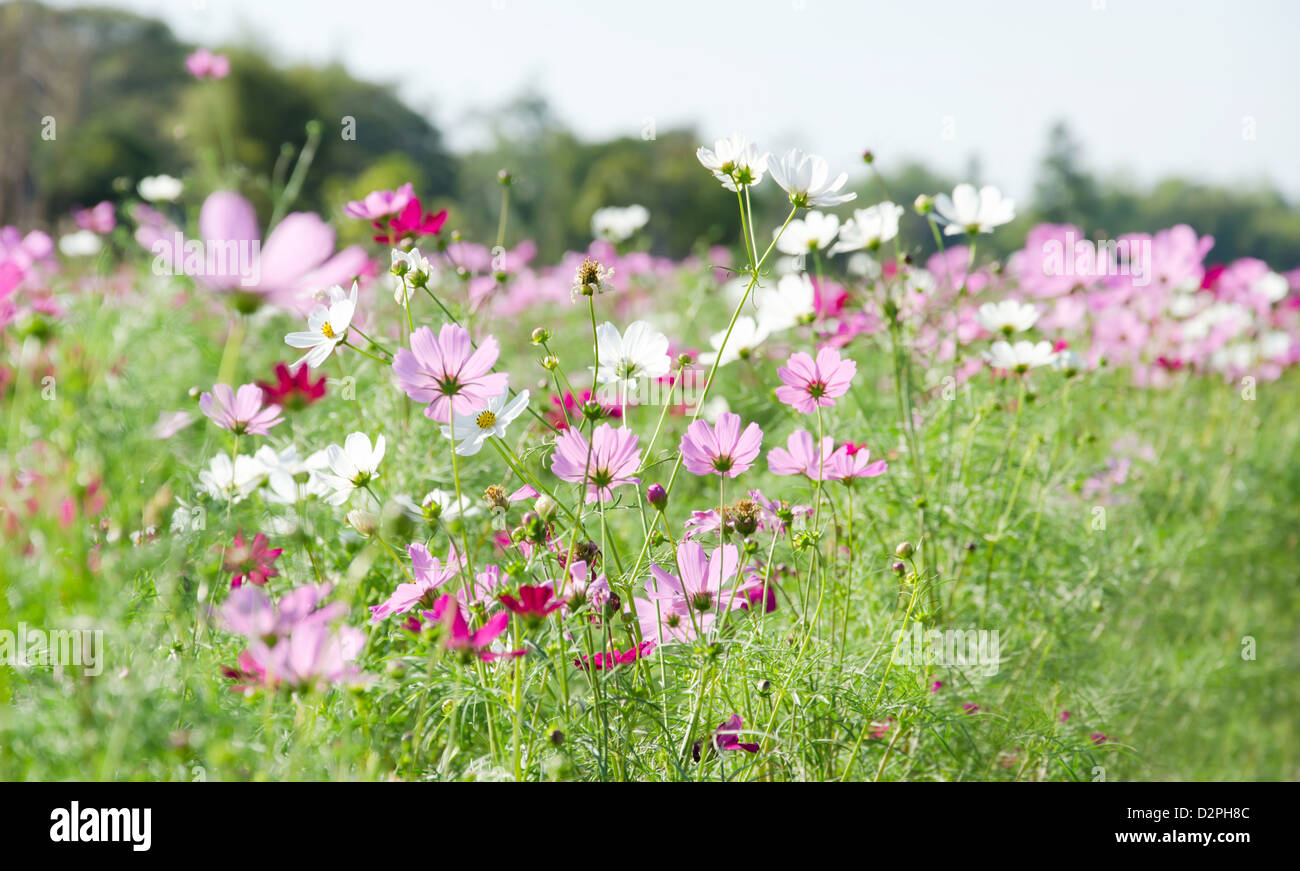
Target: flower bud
column 904, row 550
column 545, row 507
column 923, row 204
column 541, row 335
column 505, row 177
column 657, row 496
column 899, row 568
column 362, row 521
column 550, row 363
column 868, row 157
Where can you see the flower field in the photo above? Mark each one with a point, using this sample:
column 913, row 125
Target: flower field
column 806, row 505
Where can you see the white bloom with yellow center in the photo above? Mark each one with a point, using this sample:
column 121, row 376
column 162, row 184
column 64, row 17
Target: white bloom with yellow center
column 327, row 326
column 471, row 430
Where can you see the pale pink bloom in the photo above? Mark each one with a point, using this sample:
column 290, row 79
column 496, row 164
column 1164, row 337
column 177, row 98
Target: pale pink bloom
column 429, row 574
column 203, row 64
column 662, row 624
column 853, row 461
column 378, row 204
column 722, row 449
column 448, row 373
column 310, row 655
column 705, row 583
column 171, row 422
column 810, row 383
column 611, row 460
column 240, row 412
column 249, row 612
column 98, row 219
column 800, row 456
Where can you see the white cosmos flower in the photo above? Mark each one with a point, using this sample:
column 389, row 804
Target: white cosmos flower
column 790, row 302
column 734, row 161
column 231, row 482
column 327, row 326
column 82, row 243
column 972, row 211
column 640, row 352
column 160, row 188
column 472, row 430
column 619, row 223
column 746, row 336
column 864, row 265
column 1008, row 316
column 807, row 179
column 1271, row 286
column 1020, row 357
column 351, row 466
column 290, row 478
column 437, row 505
column 416, row 270
column 869, row 227
column 813, row 232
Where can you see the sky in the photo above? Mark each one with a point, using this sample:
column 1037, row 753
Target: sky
column 1151, row 88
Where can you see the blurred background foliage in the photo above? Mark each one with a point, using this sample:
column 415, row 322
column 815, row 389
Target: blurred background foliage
column 125, row 107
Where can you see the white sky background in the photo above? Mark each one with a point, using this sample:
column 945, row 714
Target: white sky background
column 1151, row 87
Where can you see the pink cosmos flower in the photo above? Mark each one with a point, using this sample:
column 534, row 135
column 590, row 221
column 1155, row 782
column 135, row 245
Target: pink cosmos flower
column 240, row 412
column 664, row 625
column 312, row 654
column 460, row 637
column 203, row 64
column 448, row 373
column 247, row 611
column 429, row 573
column 704, row 583
column 727, row 736
column 287, row 269
column 97, row 219
column 251, row 561
column 800, row 457
column 610, row 461
column 380, row 204
column 852, row 461
column 723, row 450
column 810, row 383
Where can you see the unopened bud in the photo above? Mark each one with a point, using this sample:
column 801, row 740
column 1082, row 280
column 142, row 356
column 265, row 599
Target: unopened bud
column 657, row 496
column 904, row 550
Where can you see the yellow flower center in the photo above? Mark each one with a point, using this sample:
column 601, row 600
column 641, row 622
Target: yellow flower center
column 486, row 420
column 326, row 330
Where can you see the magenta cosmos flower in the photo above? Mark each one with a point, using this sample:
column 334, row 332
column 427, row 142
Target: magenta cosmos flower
column 448, row 373
column 800, row 457
column 251, row 561
column 722, row 449
column 610, row 460
column 240, row 412
column 810, row 383
column 460, row 637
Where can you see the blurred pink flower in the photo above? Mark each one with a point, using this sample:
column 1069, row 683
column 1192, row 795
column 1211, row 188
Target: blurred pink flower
column 240, row 412
column 203, row 64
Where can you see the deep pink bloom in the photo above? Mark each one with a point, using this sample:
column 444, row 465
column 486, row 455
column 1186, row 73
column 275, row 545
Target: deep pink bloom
column 611, row 460
column 294, row 390
column 380, row 204
column 411, row 223
column 203, row 64
column 251, row 561
column 936, row 686
column 429, row 574
column 614, row 658
column 570, row 408
column 810, row 383
column 723, row 450
column 448, row 373
column 1065, row 715
column 727, row 736
column 460, row 637
column 800, row 457
column 970, row 708
column 98, row 219
column 240, row 412
column 534, row 603
column 1099, row 738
